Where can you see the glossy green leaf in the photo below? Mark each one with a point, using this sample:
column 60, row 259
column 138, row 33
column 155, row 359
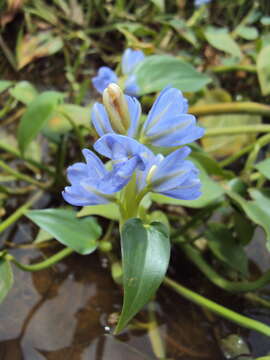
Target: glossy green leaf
column 264, row 167
column 220, row 39
column 157, row 71
column 226, row 248
column 263, row 69
column 258, row 210
column 79, row 234
column 211, row 191
column 145, row 257
column 24, row 92
column 108, row 211
column 4, row 85
column 37, row 114
column 6, row 278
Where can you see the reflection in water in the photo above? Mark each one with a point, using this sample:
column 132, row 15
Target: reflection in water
column 64, row 313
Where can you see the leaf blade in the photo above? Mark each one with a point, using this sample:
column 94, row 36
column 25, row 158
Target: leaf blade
column 145, row 254
column 78, row 234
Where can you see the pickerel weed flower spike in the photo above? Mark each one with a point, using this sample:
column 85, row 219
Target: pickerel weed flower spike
column 119, row 114
column 168, row 123
column 130, row 60
column 92, row 183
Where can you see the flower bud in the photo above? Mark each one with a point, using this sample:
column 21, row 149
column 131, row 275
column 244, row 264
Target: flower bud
column 117, row 108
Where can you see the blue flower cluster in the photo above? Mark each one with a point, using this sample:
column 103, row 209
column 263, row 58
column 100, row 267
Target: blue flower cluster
column 130, row 60
column 126, row 143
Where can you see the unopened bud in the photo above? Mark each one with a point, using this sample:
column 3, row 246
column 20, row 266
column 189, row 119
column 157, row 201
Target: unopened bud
column 117, row 108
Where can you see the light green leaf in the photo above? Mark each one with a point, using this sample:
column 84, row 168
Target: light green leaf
column 79, row 234
column 157, row 71
column 37, row 114
column 184, row 31
column 226, row 248
column 263, row 69
column 258, row 210
column 264, row 167
column 4, row 85
column 24, row 91
column 145, row 257
column 6, row 278
column 211, row 191
column 108, row 211
column 247, row 32
column 220, row 39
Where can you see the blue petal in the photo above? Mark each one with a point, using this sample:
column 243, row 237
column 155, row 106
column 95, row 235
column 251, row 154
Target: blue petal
column 190, row 190
column 100, row 120
column 119, row 176
column 78, row 196
column 131, row 58
column 134, row 108
column 131, row 86
column 96, row 168
column 169, row 104
column 105, row 76
column 121, row 148
column 179, row 130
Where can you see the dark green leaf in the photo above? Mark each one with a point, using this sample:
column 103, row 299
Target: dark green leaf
column 226, row 248
column 37, row 114
column 24, row 91
column 6, row 278
column 145, row 256
column 264, row 167
column 243, row 227
column 220, row 39
column 78, row 234
column 257, row 210
column 159, row 71
column 263, row 68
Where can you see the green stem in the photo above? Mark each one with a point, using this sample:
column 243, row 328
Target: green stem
column 21, row 176
column 238, row 67
column 218, row 309
column 17, row 154
column 234, row 130
column 231, row 286
column 154, row 335
column 44, row 264
column 246, row 107
column 262, row 141
column 19, row 212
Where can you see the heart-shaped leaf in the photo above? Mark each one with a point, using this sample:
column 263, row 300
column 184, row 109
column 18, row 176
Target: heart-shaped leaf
column 145, row 257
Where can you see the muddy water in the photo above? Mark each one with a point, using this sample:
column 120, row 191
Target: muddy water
column 66, row 313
